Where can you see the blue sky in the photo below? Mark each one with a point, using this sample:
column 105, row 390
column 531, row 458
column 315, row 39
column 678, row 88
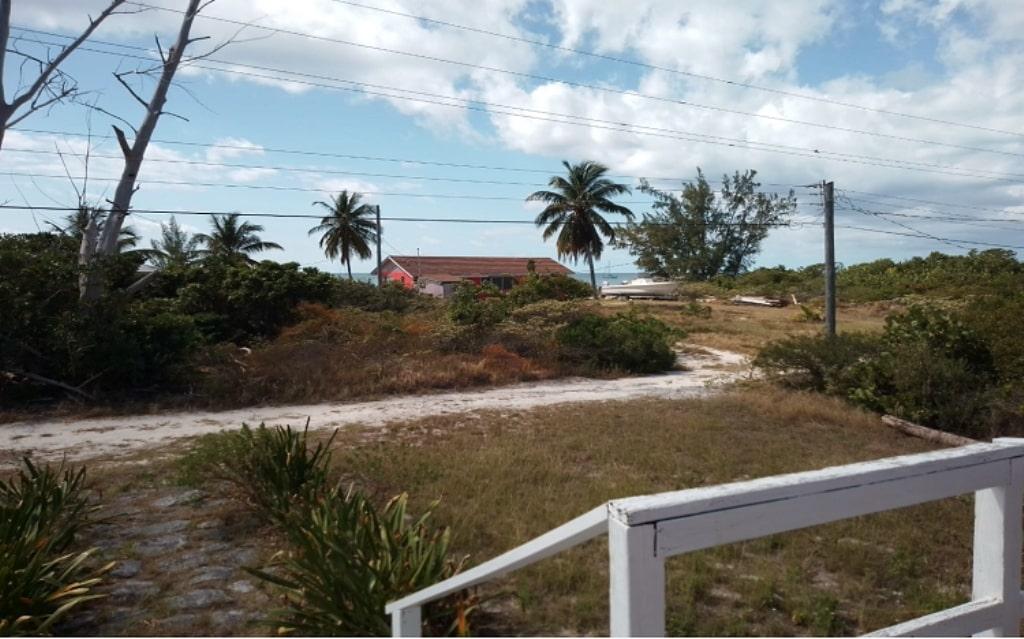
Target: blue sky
column 955, row 60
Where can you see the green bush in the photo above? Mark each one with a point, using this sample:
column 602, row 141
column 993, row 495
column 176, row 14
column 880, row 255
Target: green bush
column 349, row 559
column 274, row 468
column 929, row 366
column 390, row 297
column 473, row 305
column 41, row 582
column 537, row 288
column 819, row 363
column 624, row 342
column 239, row 303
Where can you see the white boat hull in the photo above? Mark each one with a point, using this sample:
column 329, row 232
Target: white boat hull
column 654, row 290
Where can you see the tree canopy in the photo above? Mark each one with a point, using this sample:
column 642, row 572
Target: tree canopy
column 701, row 233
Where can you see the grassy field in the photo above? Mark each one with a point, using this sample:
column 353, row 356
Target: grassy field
column 503, row 479
column 745, row 329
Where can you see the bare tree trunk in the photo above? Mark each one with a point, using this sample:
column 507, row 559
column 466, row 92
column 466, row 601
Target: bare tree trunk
column 135, row 152
column 51, row 85
column 593, row 277
column 348, row 263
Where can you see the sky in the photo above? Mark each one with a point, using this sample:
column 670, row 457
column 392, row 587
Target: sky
column 457, row 109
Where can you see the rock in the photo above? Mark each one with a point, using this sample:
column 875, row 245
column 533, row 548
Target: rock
column 160, row 545
column 232, row 618
column 163, row 528
column 186, row 497
column 213, row 573
column 177, row 624
column 133, row 591
column 202, row 598
column 126, row 568
column 241, row 586
column 242, row 556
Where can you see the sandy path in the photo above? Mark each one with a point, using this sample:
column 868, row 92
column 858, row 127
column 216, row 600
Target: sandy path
column 111, row 436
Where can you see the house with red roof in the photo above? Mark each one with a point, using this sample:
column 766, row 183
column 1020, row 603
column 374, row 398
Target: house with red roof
column 439, row 275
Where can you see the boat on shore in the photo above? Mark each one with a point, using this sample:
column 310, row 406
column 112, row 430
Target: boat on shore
column 641, row 287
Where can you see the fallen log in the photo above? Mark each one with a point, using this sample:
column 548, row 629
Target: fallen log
column 923, row 432
column 757, row 301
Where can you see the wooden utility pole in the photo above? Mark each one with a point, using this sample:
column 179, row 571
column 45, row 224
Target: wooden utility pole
column 380, row 274
column 830, row 258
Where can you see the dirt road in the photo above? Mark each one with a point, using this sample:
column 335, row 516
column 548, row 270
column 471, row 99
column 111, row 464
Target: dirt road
column 114, row 436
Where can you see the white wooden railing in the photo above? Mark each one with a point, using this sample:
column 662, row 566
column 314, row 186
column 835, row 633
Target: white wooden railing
column 644, row 531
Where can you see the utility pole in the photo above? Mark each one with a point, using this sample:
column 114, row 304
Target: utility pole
column 830, row 258
column 380, row 274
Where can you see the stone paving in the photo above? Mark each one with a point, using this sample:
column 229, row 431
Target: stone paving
column 180, row 556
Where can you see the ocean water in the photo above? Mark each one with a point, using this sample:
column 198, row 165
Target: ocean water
column 583, row 276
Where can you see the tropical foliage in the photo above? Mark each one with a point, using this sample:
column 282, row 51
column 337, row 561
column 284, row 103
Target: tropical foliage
column 702, row 233
column 933, row 366
column 347, row 230
column 42, row 509
column 574, row 208
column 175, row 248
column 232, row 238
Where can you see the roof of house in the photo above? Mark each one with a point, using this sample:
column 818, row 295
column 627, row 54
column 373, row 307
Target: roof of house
column 436, row 267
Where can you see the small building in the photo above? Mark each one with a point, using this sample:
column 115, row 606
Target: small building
column 438, row 276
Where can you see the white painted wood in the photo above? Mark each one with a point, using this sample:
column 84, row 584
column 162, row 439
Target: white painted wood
column 704, row 530
column 407, row 622
column 959, row 621
column 646, row 509
column 583, row 528
column 636, row 577
column 997, row 549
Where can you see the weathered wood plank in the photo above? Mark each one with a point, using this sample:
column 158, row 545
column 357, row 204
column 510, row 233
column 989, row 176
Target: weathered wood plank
column 583, row 528
column 670, row 505
column 636, row 576
column 713, row 528
column 407, row 622
column 928, row 434
column 959, row 621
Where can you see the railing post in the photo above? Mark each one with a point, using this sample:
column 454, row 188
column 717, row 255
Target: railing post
column 997, row 546
column 636, row 581
column 407, row 622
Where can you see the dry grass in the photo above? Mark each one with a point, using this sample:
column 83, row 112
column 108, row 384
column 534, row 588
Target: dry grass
column 503, row 479
column 745, row 329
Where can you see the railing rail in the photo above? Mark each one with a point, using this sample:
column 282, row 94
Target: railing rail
column 644, row 531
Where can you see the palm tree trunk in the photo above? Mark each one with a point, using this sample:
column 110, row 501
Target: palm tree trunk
column 593, row 278
column 348, row 263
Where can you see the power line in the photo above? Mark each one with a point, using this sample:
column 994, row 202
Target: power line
column 586, row 53
column 913, row 199
column 918, row 235
column 290, row 169
column 461, row 220
column 605, row 89
column 595, row 123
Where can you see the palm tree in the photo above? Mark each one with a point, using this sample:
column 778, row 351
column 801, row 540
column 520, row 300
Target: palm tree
column 175, row 246
column 347, row 229
column 232, row 239
column 76, row 223
column 574, row 208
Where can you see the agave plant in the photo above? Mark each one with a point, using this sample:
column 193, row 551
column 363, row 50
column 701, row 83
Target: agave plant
column 349, row 559
column 274, row 468
column 41, row 512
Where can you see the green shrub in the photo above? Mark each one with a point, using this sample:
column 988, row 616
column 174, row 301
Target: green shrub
column 474, row 305
column 625, row 342
column 349, row 559
column 819, row 363
column 537, row 288
column 239, row 302
column 943, row 332
column 274, row 468
column 41, row 512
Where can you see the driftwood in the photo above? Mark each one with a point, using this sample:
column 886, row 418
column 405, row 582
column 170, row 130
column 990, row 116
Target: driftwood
column 757, row 301
column 73, row 390
column 923, row 432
